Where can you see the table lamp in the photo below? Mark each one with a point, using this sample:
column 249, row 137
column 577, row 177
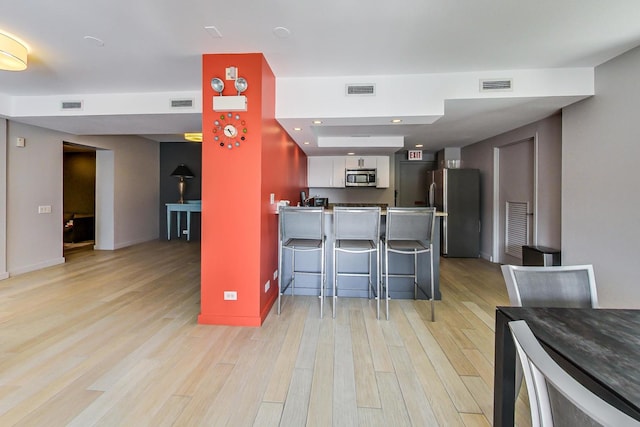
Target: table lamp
column 182, row 172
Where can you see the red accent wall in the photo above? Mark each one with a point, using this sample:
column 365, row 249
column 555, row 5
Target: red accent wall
column 239, row 225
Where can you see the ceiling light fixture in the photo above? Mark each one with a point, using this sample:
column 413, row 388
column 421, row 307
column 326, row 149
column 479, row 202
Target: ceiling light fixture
column 317, row 122
column 306, row 143
column 351, row 154
column 13, row 54
column 193, row 136
column 419, row 145
column 396, row 121
column 297, row 129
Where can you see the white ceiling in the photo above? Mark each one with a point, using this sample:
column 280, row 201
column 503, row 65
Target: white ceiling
column 156, row 46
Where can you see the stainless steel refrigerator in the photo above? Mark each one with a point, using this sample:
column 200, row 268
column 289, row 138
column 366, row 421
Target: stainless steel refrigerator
column 457, row 192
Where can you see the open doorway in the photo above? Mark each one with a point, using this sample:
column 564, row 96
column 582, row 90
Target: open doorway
column 79, row 197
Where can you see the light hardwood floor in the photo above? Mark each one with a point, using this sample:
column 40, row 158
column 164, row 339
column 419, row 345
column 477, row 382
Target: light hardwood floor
column 111, row 339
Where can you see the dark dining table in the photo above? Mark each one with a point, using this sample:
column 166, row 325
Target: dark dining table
column 598, row 347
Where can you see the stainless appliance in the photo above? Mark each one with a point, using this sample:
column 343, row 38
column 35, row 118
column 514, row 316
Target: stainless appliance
column 360, row 178
column 457, row 192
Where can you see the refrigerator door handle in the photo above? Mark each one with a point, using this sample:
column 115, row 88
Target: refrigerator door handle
column 432, row 194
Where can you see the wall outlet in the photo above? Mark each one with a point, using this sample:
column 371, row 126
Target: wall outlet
column 230, row 295
column 267, row 286
column 185, row 231
column 275, row 274
column 272, row 198
column 44, row 209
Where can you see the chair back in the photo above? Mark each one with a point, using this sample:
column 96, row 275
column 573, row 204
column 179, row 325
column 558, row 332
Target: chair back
column 362, row 223
column 301, row 223
column 410, row 223
column 555, row 397
column 561, row 286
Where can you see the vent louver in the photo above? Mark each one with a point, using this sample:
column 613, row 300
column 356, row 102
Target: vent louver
column 181, row 103
column 361, row 89
column 493, row 85
column 71, row 105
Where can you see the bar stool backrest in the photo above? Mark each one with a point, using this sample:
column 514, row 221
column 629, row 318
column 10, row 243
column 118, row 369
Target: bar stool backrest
column 410, row 223
column 362, row 223
column 301, row 223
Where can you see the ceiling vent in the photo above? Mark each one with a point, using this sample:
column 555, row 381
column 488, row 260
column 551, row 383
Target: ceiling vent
column 71, row 105
column 182, row 103
column 360, row 89
column 496, row 85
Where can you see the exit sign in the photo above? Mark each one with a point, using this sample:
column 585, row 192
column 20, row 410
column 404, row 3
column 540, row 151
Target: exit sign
column 415, row 154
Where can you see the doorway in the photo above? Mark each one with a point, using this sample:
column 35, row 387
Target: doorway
column 79, row 197
column 412, row 188
column 515, row 205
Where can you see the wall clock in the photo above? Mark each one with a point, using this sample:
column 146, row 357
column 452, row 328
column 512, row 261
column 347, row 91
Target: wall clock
column 229, row 130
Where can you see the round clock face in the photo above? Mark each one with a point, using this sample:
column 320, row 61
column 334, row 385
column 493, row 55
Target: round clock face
column 229, row 130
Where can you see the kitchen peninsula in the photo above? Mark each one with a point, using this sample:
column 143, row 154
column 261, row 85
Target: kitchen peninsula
column 354, row 286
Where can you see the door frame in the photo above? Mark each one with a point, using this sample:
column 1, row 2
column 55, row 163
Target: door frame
column 495, row 256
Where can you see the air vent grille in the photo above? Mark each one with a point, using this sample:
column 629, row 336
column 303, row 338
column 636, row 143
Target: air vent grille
column 360, row 89
column 181, row 103
column 71, row 105
column 493, row 85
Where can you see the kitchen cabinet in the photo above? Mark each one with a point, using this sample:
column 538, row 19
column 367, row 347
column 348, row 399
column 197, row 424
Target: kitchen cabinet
column 325, row 171
column 382, row 172
column 363, row 162
column 329, row 171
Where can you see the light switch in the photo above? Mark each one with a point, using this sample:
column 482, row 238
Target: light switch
column 20, row 142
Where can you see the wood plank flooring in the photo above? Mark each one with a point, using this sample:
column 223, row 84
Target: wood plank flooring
column 110, row 339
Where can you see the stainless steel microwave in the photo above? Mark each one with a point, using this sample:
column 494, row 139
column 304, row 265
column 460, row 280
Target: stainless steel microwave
column 360, row 178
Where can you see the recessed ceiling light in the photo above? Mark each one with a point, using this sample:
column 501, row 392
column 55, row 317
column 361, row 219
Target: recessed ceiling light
column 419, row 145
column 317, row 122
column 96, row 41
column 351, row 154
column 396, row 121
column 297, row 128
column 306, row 143
column 281, row 32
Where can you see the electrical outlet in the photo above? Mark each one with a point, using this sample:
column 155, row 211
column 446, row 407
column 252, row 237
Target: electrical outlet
column 44, row 209
column 230, row 295
column 272, row 198
column 267, row 285
column 275, row 274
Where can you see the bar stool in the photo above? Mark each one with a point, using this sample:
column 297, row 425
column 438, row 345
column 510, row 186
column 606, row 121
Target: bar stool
column 409, row 231
column 357, row 231
column 301, row 231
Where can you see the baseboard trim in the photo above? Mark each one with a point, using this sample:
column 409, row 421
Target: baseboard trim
column 38, row 266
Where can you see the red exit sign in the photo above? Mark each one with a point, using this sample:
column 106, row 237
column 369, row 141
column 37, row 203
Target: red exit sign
column 415, row 154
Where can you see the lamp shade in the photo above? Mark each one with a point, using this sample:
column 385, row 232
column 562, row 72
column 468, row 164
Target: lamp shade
column 183, row 171
column 13, row 54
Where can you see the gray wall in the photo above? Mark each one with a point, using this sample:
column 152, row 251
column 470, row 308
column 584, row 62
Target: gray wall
column 480, row 155
column 34, row 178
column 171, row 155
column 601, row 181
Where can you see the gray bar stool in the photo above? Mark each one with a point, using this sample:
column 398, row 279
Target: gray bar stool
column 409, row 231
column 301, row 230
column 357, row 231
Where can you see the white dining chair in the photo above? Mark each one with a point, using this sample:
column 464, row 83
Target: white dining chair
column 555, row 397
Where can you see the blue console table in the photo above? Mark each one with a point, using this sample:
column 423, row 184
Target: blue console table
column 188, row 207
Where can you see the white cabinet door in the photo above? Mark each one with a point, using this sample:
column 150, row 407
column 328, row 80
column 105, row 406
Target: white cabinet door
column 325, row 171
column 319, row 171
column 382, row 172
column 363, row 162
column 338, row 172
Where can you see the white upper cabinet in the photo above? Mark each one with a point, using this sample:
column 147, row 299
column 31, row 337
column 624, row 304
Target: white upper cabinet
column 382, row 172
column 366, row 162
column 325, row 171
column 329, row 171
